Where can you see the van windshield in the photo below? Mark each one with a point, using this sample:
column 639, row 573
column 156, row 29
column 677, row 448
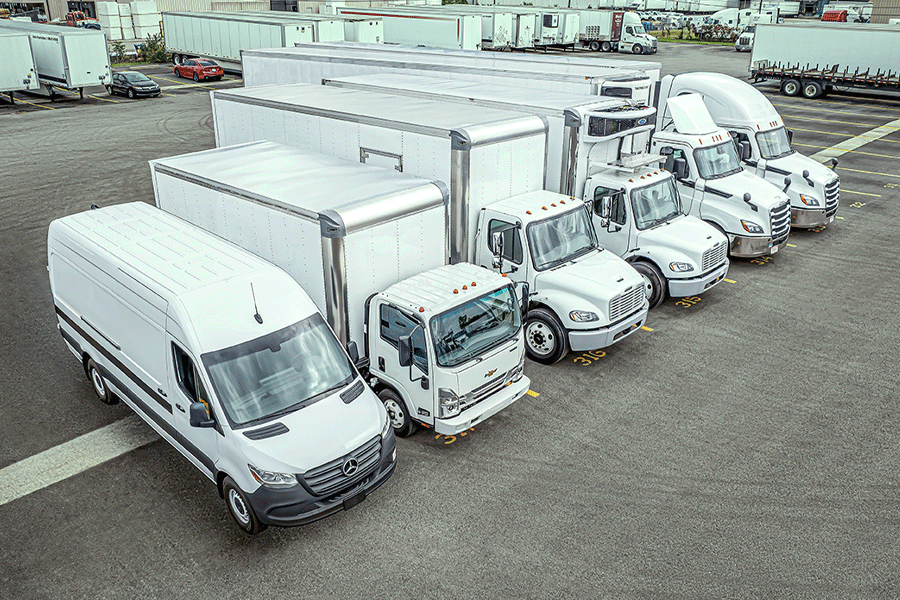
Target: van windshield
column 560, row 239
column 717, row 161
column 773, row 143
column 280, row 372
column 466, row 331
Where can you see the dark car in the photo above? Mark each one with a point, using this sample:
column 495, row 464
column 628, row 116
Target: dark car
column 132, row 84
column 199, row 68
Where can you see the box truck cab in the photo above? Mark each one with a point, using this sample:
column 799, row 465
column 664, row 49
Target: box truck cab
column 754, row 214
column 442, row 345
column 764, row 143
column 225, row 356
column 582, row 296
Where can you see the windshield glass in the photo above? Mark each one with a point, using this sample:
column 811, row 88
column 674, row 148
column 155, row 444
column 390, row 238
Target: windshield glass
column 774, row 143
column 136, row 77
column 466, row 331
column 560, row 239
column 717, row 161
column 280, row 372
column 656, row 203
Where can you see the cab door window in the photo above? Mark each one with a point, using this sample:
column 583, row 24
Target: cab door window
column 512, row 241
column 395, row 324
column 670, row 162
column 617, row 203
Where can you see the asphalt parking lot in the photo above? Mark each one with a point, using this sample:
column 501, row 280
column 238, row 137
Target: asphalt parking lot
column 744, row 446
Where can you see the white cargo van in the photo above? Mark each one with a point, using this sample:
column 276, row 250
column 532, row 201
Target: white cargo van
column 225, row 356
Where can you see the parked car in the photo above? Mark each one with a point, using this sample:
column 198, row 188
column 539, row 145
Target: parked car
column 199, row 68
column 132, row 84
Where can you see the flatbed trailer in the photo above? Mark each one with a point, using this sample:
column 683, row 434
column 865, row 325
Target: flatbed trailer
column 814, row 81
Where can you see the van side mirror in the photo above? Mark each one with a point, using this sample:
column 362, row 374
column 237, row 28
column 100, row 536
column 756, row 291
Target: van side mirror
column 200, row 416
column 680, row 166
column 745, row 150
column 405, row 350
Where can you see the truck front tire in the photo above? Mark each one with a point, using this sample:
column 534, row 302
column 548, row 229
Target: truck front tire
column 546, row 341
column 400, row 420
column 637, row 49
column 654, row 282
column 239, row 508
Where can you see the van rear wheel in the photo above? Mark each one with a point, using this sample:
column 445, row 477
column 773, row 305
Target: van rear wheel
column 239, row 508
column 400, row 420
column 100, row 387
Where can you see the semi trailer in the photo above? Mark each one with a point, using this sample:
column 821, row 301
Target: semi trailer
column 17, row 73
column 615, row 31
column 422, row 27
column 356, row 29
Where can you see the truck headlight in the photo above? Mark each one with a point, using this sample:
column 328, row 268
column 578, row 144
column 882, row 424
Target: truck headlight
column 681, row 267
column 387, row 425
column 582, row 316
column 809, row 200
column 518, row 372
column 448, row 403
column 752, row 227
column 272, row 479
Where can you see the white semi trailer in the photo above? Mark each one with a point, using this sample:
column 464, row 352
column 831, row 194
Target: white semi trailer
column 223, row 35
column 581, row 297
column 67, row 58
column 615, row 31
column 17, row 71
column 356, row 29
column 764, row 144
column 523, row 22
column 592, row 154
column 311, row 63
column 442, row 345
column 425, row 27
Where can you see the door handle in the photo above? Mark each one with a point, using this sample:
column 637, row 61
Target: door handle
column 178, row 406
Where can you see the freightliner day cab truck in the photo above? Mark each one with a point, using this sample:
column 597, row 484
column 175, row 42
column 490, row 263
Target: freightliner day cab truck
column 592, row 154
column 756, row 126
column 616, row 31
column 581, row 297
column 225, row 356
column 443, row 345
column 753, row 213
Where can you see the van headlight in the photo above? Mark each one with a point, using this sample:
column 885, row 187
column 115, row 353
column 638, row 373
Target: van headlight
column 809, row 200
column 681, row 267
column 582, row 316
column 752, row 227
column 448, row 403
column 387, row 425
column 272, row 479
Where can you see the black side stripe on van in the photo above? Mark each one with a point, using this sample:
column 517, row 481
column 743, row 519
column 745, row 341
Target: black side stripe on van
column 140, row 404
column 137, row 381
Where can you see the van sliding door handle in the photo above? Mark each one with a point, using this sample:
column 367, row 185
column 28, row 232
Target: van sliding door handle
column 178, row 406
column 161, row 392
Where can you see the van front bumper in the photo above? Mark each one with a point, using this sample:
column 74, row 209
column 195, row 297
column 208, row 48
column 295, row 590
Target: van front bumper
column 592, row 339
column 805, row 218
column 297, row 506
column 750, row 247
column 679, row 288
column 484, row 409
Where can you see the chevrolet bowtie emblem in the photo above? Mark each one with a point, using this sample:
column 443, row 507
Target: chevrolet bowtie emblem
column 491, row 372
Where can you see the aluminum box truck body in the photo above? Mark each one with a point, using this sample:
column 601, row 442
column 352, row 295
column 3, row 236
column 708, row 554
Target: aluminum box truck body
column 311, row 63
column 225, row 356
column 493, row 162
column 17, row 73
column 426, row 27
column 68, row 58
column 592, row 153
column 751, row 120
column 369, row 246
column 222, row 35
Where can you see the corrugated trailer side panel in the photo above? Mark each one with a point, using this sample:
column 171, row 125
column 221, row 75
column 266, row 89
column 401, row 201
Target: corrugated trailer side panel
column 852, row 46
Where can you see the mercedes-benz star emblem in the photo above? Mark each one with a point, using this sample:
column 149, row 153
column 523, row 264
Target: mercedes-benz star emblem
column 350, row 467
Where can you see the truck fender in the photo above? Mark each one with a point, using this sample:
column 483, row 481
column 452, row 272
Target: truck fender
column 562, row 303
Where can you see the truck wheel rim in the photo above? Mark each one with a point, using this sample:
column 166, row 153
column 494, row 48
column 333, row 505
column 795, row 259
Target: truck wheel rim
column 540, row 339
column 395, row 411
column 99, row 385
column 648, row 286
column 238, row 507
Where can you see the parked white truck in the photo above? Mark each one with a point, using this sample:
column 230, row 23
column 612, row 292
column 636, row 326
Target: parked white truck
column 494, row 163
column 764, row 144
column 615, row 31
column 67, row 58
column 754, row 214
column 592, row 154
column 17, row 71
column 442, row 345
column 225, row 356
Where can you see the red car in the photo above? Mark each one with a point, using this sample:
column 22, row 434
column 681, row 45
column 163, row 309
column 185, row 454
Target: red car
column 199, row 68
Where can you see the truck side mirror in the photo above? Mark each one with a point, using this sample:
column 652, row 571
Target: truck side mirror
column 405, row 350
column 524, row 292
column 787, row 183
column 680, row 166
column 790, row 134
column 605, row 207
column 200, row 416
column 745, row 150
column 497, row 249
column 353, row 351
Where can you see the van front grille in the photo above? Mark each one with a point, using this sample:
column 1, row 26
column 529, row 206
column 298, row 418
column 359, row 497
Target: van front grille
column 330, row 478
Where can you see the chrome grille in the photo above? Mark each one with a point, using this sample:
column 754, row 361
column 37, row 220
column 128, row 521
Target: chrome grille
column 832, row 196
column 626, row 303
column 486, row 390
column 781, row 222
column 329, row 478
column 744, row 41
column 714, row 257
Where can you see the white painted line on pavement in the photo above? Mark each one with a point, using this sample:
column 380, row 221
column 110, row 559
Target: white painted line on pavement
column 855, row 142
column 73, row 457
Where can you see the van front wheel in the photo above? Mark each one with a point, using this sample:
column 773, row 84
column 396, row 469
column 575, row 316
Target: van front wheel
column 240, row 508
column 100, row 387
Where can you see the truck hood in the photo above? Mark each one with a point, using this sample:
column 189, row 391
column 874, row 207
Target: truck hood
column 686, row 236
column 319, row 433
column 762, row 193
column 493, row 370
column 795, row 164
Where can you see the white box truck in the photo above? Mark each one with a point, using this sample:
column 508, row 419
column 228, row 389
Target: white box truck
column 225, row 356
column 615, row 31
column 223, row 35
column 764, row 144
column 311, row 63
column 443, row 345
column 592, row 154
column 68, row 58
column 581, row 297
column 17, row 71
column 753, row 213
column 356, row 29
column 423, row 28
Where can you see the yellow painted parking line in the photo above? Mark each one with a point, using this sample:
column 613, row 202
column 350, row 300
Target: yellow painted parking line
column 845, row 135
column 860, row 193
column 850, row 151
column 834, row 102
column 183, row 84
column 839, row 112
column 870, row 125
column 645, row 328
column 165, row 94
column 869, row 172
column 792, row 245
column 841, row 218
column 104, row 99
column 729, row 280
column 532, row 393
column 33, row 104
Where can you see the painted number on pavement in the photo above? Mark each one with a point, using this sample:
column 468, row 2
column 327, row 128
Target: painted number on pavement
column 587, row 358
column 449, row 439
column 688, row 301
